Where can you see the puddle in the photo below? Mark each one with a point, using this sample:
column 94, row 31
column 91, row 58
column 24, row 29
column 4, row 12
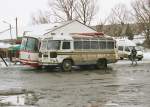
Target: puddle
column 24, row 99
column 14, row 100
column 111, row 104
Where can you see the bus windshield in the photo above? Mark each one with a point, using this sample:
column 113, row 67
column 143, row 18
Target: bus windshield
column 29, row 44
column 53, row 45
column 23, row 44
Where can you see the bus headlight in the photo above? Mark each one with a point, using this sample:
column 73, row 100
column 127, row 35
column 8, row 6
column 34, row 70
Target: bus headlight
column 53, row 55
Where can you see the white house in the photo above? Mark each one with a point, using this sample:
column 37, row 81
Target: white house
column 69, row 27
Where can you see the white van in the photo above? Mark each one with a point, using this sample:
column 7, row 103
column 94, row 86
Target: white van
column 124, row 49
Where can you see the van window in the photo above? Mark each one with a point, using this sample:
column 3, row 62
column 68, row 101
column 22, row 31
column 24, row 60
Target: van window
column 66, row 45
column 127, row 49
column 120, row 48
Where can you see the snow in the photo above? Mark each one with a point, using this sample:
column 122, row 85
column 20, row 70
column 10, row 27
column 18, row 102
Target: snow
column 139, row 39
column 4, row 45
column 147, row 55
column 125, row 42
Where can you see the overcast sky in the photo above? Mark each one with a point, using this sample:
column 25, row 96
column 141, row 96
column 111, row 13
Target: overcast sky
column 9, row 9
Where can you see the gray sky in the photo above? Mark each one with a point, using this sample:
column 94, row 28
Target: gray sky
column 9, row 9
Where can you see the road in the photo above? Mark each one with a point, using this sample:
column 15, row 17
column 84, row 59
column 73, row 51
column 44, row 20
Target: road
column 121, row 85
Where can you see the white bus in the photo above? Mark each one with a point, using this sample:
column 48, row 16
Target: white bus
column 67, row 51
column 29, row 51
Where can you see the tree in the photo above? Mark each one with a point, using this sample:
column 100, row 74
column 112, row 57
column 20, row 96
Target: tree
column 118, row 18
column 142, row 14
column 65, row 10
column 85, row 10
column 129, row 32
column 40, row 18
column 62, row 9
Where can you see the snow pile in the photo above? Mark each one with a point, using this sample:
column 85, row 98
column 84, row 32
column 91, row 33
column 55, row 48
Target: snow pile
column 138, row 39
column 125, row 42
column 4, row 45
column 146, row 55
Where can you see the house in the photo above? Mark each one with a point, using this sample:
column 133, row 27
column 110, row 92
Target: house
column 69, row 27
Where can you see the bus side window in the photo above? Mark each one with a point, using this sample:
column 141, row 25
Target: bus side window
column 77, row 44
column 110, row 45
column 66, row 45
column 102, row 44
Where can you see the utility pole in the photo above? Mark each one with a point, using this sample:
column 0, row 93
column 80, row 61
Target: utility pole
column 10, row 27
column 16, row 28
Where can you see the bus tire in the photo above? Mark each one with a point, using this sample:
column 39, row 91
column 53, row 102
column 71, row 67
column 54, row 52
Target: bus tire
column 121, row 58
column 101, row 64
column 66, row 65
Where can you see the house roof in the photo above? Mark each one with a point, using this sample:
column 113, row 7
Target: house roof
column 36, row 30
column 66, row 23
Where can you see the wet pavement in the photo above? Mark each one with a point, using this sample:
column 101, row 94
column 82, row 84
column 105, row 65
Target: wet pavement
column 121, row 85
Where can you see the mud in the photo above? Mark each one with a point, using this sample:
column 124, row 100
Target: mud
column 121, row 85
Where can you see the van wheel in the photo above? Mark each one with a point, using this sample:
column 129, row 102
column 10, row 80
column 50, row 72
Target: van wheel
column 101, row 64
column 66, row 65
column 139, row 59
column 121, row 58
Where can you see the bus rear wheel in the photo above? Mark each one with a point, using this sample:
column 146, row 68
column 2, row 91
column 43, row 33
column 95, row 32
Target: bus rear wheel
column 101, row 64
column 66, row 65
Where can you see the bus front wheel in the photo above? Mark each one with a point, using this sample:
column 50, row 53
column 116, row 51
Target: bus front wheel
column 66, row 65
column 102, row 64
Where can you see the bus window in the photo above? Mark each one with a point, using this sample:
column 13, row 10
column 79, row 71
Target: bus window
column 86, row 44
column 94, row 45
column 102, row 44
column 53, row 45
column 23, row 44
column 66, row 45
column 127, row 49
column 110, row 45
column 32, row 44
column 77, row 44
column 44, row 45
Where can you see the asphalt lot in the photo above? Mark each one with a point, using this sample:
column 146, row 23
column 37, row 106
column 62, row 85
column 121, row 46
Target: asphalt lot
column 121, row 85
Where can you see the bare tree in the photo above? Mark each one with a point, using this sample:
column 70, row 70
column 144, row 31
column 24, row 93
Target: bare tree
column 142, row 14
column 86, row 10
column 39, row 18
column 120, row 14
column 119, row 18
column 65, row 10
column 62, row 9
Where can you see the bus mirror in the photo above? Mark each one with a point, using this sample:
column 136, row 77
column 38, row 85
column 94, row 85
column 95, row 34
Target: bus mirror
column 53, row 55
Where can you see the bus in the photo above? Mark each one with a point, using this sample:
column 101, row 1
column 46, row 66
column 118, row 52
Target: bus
column 29, row 51
column 78, row 49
